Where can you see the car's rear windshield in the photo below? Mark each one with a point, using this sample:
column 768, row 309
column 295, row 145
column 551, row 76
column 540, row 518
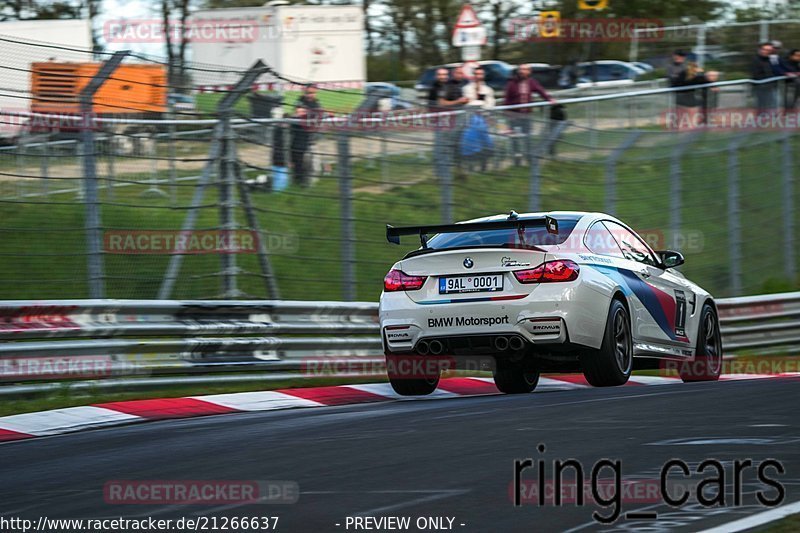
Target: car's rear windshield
column 534, row 236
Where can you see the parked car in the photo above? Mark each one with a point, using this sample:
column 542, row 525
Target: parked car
column 383, row 96
column 182, row 102
column 607, row 73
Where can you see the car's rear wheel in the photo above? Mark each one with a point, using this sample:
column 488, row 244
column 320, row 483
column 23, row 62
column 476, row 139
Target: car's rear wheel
column 410, row 376
column 513, row 377
column 611, row 365
column 707, row 365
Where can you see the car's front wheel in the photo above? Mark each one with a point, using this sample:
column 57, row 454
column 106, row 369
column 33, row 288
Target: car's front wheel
column 513, row 377
column 611, row 365
column 409, row 375
column 707, row 365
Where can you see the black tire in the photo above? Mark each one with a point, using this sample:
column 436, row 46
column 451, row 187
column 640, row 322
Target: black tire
column 514, row 378
column 405, row 384
column 707, row 365
column 611, row 365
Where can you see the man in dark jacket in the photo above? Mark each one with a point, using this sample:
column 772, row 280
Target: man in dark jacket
column 761, row 69
column 519, row 90
column 308, row 111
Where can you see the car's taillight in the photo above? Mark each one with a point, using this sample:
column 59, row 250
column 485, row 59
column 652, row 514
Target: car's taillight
column 397, row 280
column 550, row 272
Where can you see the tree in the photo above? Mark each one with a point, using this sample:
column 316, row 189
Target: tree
column 176, row 58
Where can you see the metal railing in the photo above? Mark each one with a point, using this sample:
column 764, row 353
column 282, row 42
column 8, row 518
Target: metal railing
column 191, row 342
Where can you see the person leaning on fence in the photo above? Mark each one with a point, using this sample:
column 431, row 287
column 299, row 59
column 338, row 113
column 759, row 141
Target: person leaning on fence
column 519, row 90
column 437, row 91
column 676, row 71
column 793, row 72
column 476, row 142
column 762, row 69
column 308, row 111
column 452, row 98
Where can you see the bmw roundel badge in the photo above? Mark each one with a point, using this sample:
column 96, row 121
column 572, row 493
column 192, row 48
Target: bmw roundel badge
column 468, row 262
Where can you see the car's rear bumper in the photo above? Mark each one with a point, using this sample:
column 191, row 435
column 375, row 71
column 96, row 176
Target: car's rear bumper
column 552, row 314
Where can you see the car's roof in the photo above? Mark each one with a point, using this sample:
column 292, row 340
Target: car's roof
column 573, row 215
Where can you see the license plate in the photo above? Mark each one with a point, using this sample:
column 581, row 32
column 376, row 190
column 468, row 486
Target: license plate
column 487, row 283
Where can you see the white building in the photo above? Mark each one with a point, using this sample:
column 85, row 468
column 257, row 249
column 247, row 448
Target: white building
column 321, row 44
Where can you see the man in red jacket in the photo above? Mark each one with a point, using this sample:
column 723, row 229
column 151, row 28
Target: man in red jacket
column 519, row 90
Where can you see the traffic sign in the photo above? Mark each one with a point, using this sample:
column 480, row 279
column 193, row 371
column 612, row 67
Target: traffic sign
column 469, row 36
column 470, row 54
column 595, row 5
column 467, row 18
column 550, row 24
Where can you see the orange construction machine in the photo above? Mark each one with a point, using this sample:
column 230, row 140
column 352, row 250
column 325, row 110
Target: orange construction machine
column 131, row 89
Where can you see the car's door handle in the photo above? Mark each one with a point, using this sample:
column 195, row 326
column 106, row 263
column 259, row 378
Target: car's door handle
column 644, row 272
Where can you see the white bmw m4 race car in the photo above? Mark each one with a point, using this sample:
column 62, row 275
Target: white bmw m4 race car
column 556, row 292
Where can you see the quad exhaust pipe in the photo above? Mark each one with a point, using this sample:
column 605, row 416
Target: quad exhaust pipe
column 516, row 343
column 435, row 347
column 501, row 344
column 423, row 348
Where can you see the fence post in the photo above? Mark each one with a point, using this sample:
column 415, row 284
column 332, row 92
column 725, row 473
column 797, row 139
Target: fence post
column 611, row 170
column 227, row 202
column 214, row 153
column 348, row 222
column 788, row 208
column 675, row 188
column 445, row 148
column 763, row 31
column 534, row 156
column 92, row 222
column 701, row 46
column 734, row 224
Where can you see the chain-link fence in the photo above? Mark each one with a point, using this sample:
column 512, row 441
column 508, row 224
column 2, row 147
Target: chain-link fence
column 213, row 199
column 728, row 47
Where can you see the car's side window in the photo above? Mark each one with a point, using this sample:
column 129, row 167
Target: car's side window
column 600, row 241
column 632, row 246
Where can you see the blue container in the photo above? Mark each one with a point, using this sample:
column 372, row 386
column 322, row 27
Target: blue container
column 280, row 178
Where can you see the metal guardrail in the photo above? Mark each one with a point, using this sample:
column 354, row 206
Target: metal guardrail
column 760, row 321
column 127, row 342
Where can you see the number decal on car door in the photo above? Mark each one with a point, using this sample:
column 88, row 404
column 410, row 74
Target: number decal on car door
column 680, row 314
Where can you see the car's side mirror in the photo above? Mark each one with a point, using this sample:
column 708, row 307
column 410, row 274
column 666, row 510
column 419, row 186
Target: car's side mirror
column 671, row 259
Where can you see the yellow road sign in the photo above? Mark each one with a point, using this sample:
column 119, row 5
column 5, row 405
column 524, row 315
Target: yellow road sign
column 596, row 5
column 550, row 23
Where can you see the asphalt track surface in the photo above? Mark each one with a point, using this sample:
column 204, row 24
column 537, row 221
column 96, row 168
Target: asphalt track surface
column 442, row 458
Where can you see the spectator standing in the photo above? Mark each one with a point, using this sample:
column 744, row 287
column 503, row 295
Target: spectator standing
column 761, row 69
column 478, row 93
column 519, row 90
column 437, row 91
column 476, row 142
column 308, row 111
column 676, row 71
column 453, row 99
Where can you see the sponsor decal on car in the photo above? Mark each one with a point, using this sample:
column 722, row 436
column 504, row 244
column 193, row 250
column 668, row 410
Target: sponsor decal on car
column 461, row 321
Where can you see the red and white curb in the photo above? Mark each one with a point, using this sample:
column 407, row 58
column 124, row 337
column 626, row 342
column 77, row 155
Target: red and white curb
column 70, row 419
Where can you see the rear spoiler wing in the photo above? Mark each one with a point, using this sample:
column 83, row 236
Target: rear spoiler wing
column 393, row 233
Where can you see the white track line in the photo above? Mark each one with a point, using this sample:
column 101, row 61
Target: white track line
column 64, row 420
column 258, row 401
column 756, row 519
